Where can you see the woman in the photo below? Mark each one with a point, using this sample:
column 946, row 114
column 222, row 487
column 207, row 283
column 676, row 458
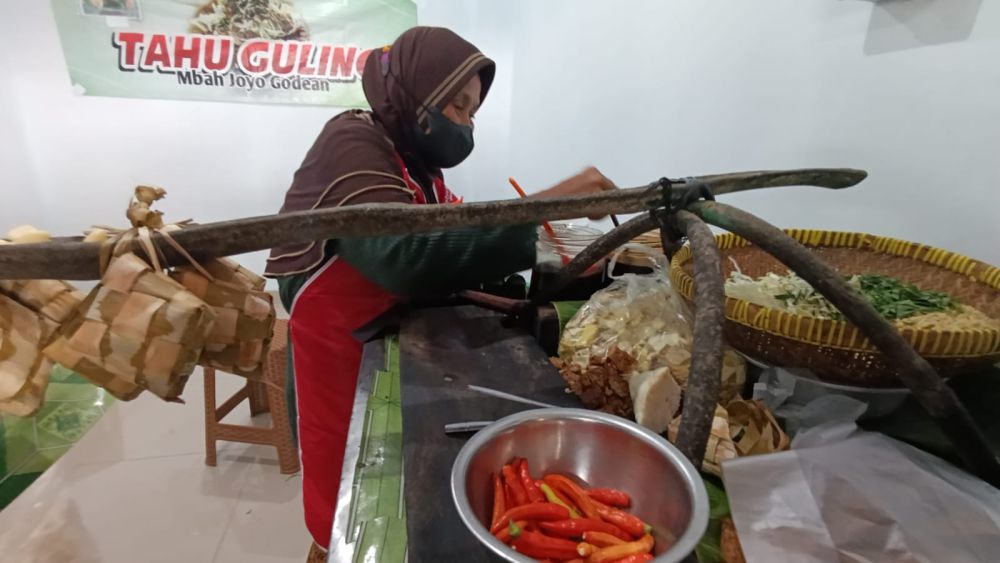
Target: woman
column 424, row 91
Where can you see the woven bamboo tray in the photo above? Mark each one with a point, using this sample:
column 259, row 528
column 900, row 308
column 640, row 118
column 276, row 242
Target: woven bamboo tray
column 637, row 259
column 835, row 350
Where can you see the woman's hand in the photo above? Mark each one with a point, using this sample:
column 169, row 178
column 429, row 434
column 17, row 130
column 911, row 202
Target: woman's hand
column 589, row 181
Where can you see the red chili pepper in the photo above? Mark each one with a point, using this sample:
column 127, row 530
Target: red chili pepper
column 616, row 552
column 601, row 539
column 628, row 522
column 611, row 497
column 530, row 488
column 510, row 478
column 541, row 546
column 575, row 493
column 552, row 496
column 499, row 500
column 536, row 511
column 508, row 495
column 584, row 549
column 512, row 530
column 637, row 558
column 576, row 528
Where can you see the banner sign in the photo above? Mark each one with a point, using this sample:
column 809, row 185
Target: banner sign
column 264, row 51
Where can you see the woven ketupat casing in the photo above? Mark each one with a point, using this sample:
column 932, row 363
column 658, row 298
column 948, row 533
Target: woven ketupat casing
column 24, row 370
column 244, row 316
column 55, row 300
column 138, row 329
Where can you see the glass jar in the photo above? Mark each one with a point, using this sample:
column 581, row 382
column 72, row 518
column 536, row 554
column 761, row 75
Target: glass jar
column 632, row 262
column 555, row 252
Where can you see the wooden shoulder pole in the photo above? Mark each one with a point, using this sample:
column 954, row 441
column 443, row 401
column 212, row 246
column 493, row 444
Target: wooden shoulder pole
column 74, row 260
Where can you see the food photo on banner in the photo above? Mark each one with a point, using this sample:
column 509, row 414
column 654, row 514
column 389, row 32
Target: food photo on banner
column 260, row 51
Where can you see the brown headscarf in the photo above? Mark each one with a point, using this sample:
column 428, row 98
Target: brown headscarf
column 353, row 159
column 429, row 64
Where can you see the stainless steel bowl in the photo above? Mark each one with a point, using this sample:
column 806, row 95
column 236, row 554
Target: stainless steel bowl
column 601, row 449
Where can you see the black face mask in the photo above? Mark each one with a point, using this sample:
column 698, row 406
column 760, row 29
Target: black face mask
column 445, row 143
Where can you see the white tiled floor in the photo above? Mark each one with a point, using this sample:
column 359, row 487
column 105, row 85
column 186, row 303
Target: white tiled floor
column 139, row 484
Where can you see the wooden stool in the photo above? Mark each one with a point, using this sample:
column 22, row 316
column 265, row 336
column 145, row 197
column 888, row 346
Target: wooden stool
column 262, row 396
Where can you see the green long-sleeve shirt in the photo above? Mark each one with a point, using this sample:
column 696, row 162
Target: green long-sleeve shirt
column 431, row 263
column 440, row 263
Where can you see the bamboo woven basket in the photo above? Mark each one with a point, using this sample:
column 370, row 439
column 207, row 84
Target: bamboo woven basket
column 836, row 350
column 637, row 259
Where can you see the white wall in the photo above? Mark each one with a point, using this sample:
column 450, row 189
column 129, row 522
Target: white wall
column 909, row 90
column 16, row 169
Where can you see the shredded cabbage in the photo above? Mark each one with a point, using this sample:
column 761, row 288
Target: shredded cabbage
column 788, row 293
column 792, row 294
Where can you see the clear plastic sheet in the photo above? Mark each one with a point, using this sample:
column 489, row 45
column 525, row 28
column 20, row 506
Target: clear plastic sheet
column 641, row 315
column 787, row 392
column 844, row 495
column 644, row 318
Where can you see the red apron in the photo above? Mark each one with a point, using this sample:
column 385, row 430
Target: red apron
column 333, row 303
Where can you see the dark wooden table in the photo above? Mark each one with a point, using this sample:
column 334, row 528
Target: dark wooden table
column 441, row 352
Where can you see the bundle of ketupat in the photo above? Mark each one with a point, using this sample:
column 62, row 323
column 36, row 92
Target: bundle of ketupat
column 244, row 316
column 30, row 313
column 138, row 329
column 24, row 370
